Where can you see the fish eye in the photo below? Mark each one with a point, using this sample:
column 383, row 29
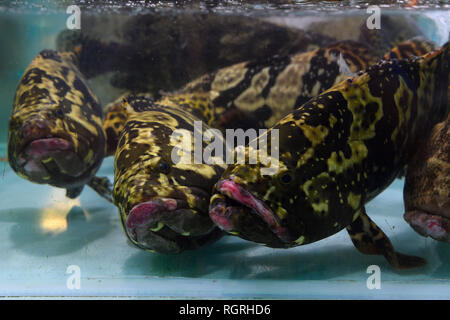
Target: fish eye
column 286, row 178
column 163, row 167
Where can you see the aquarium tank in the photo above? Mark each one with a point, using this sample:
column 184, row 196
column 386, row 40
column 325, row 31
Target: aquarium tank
column 225, row 149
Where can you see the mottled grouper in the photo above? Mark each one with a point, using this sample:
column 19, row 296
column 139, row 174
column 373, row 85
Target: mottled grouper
column 336, row 153
column 56, row 134
column 167, row 210
column 140, row 188
column 258, row 93
column 163, row 203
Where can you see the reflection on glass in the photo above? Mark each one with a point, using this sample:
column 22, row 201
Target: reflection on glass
column 54, row 216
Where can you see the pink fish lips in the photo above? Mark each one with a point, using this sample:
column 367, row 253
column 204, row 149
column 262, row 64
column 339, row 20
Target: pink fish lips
column 429, row 225
column 146, row 213
column 221, row 212
column 50, row 154
column 168, row 218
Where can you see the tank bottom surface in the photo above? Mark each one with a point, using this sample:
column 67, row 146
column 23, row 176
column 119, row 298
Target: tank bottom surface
column 47, row 240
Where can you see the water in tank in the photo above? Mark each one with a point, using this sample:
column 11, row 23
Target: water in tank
column 116, row 117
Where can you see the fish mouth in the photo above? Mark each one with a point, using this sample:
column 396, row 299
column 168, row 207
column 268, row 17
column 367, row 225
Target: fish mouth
column 234, row 210
column 168, row 225
column 428, row 224
column 50, row 160
column 43, row 156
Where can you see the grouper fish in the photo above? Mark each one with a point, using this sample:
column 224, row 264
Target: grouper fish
column 251, row 94
column 337, row 152
column 56, row 133
column 162, row 201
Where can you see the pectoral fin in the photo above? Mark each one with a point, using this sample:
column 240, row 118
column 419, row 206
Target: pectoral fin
column 102, row 186
column 368, row 238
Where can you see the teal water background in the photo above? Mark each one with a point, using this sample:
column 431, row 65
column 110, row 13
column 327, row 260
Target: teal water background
column 42, row 233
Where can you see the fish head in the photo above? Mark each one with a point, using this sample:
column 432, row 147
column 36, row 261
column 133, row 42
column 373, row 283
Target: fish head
column 257, row 207
column 286, row 199
column 163, row 203
column 55, row 129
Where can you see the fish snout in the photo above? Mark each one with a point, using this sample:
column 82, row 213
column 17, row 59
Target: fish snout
column 166, row 225
column 43, row 156
column 237, row 211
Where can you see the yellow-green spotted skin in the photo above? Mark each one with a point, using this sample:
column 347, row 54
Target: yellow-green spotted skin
column 246, row 95
column 163, row 204
column 144, row 138
column 114, row 122
column 56, row 132
column 256, row 94
column 337, row 152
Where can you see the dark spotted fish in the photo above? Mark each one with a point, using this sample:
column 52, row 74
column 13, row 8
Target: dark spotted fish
column 163, row 203
column 164, row 51
column 427, row 186
column 114, row 122
column 256, row 94
column 141, row 189
column 280, row 82
column 336, row 153
column 56, row 132
column 175, row 200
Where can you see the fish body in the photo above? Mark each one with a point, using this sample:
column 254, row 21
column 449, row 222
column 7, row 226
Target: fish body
column 153, row 52
column 413, row 47
column 427, row 186
column 163, row 203
column 336, row 153
column 143, row 129
column 56, row 134
column 258, row 93
column 211, row 99
column 114, row 121
column 247, row 95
